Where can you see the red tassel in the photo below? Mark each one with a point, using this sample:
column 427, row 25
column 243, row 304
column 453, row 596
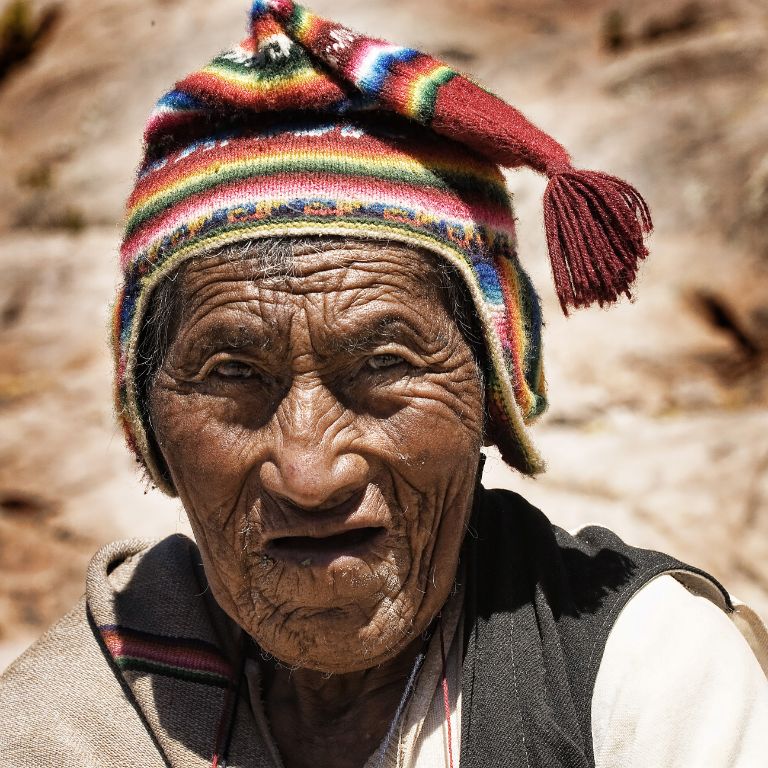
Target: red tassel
column 595, row 225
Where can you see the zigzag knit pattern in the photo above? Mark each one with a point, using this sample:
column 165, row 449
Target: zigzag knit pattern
column 264, row 142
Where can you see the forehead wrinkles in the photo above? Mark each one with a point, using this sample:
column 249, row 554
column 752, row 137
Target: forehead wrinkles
column 344, row 295
column 354, row 269
column 321, row 267
column 329, row 282
column 219, row 304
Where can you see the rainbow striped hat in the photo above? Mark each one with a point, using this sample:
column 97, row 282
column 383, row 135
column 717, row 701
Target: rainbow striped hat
column 308, row 128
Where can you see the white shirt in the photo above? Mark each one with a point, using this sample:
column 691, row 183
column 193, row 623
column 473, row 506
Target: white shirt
column 678, row 687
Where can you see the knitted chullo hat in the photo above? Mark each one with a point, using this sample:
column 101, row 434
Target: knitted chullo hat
column 309, row 128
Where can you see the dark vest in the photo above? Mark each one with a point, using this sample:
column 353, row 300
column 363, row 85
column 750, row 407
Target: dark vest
column 539, row 606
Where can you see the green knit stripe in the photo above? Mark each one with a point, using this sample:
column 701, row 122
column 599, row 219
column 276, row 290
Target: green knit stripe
column 454, row 180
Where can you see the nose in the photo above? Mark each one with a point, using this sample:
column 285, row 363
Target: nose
column 310, row 463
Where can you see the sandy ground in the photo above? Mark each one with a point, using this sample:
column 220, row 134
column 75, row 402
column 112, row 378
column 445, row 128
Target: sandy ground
column 658, row 425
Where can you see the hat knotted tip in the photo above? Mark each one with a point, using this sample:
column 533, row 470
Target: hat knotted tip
column 595, row 225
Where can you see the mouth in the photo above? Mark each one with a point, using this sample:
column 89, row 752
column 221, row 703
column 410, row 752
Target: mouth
column 322, row 550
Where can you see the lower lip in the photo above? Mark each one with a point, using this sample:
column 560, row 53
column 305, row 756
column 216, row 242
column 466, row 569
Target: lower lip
column 304, row 552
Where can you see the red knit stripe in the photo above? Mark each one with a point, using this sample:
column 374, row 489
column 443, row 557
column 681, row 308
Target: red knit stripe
column 489, row 125
column 168, row 122
column 263, row 27
column 360, row 149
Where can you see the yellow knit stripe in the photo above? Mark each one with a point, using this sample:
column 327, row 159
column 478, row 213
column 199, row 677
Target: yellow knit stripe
column 344, row 163
column 420, row 84
column 251, row 82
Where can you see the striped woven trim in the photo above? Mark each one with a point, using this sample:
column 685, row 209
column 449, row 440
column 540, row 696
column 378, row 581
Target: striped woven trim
column 185, row 659
column 149, row 248
column 354, row 218
column 520, row 330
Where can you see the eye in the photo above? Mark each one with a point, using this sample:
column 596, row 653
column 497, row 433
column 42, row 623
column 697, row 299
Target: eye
column 381, row 362
column 234, row 369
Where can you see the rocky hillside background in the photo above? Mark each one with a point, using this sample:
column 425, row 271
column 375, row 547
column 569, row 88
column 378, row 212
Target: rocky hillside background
column 658, row 425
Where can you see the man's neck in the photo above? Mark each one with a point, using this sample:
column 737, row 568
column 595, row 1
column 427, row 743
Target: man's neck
column 339, row 720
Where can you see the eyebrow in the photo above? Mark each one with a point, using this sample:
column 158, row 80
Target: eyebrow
column 223, row 337
column 383, row 329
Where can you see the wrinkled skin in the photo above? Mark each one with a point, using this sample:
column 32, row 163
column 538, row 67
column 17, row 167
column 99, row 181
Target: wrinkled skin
column 322, row 428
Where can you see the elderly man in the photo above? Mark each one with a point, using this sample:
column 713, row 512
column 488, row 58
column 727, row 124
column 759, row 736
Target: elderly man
column 323, row 319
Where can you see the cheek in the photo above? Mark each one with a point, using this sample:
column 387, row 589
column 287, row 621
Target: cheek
column 208, row 459
column 207, row 451
column 437, row 429
column 434, row 443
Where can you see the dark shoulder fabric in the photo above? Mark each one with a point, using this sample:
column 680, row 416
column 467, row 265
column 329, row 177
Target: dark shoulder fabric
column 539, row 606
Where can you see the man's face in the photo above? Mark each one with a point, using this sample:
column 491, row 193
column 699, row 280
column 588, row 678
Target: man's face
column 322, row 428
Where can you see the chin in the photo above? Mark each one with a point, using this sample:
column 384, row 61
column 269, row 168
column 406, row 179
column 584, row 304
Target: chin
column 343, row 638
